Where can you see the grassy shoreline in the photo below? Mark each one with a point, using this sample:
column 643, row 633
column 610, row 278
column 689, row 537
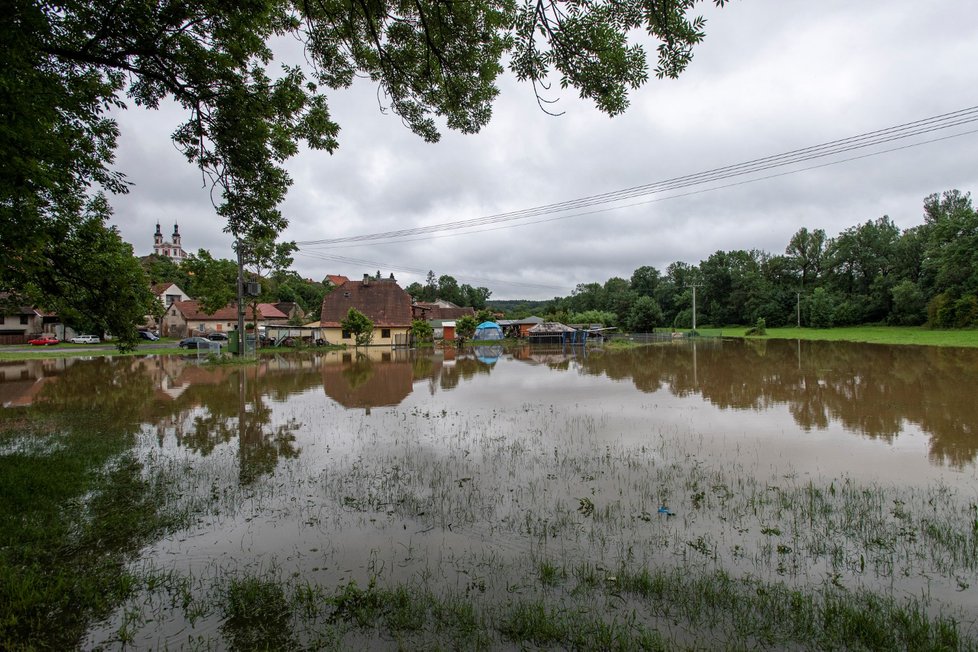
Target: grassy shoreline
column 895, row 335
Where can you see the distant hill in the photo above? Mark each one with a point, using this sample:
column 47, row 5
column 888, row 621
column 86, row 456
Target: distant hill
column 518, row 306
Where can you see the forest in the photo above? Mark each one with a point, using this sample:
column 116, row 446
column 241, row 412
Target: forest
column 870, row 273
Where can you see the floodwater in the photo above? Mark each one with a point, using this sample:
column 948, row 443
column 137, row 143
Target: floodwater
column 461, row 470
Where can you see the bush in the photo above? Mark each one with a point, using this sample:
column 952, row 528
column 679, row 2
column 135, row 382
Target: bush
column 966, row 311
column 820, row 309
column 940, row 311
column 760, row 328
column 908, row 304
column 847, row 313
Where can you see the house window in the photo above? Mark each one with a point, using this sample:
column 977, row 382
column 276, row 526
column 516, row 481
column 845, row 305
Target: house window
column 25, row 319
column 1, row 319
column 346, row 335
column 203, row 326
column 385, row 333
column 170, row 298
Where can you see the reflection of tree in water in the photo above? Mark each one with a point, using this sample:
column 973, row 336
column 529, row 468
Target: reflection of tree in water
column 870, row 389
column 465, row 367
column 359, row 372
column 117, row 389
column 422, row 366
column 237, row 407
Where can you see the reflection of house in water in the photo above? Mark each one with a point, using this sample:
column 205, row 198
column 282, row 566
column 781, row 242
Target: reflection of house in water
column 555, row 356
column 369, row 379
column 21, row 381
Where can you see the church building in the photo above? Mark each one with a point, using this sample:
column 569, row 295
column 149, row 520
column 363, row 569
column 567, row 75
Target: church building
column 172, row 249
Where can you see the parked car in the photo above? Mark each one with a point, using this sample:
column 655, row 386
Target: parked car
column 44, row 340
column 195, row 343
column 217, row 337
column 149, row 335
column 85, row 339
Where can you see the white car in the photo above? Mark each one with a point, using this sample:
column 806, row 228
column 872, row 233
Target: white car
column 84, row 339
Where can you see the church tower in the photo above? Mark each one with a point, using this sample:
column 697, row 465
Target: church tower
column 172, row 249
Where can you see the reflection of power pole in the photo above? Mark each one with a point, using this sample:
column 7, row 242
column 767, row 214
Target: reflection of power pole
column 694, row 302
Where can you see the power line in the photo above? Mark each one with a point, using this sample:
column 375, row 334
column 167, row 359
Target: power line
column 646, row 202
column 832, row 148
column 422, row 272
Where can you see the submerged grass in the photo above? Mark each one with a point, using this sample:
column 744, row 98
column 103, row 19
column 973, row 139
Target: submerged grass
column 74, row 506
column 507, row 539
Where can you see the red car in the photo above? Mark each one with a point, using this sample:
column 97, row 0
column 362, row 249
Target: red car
column 44, row 341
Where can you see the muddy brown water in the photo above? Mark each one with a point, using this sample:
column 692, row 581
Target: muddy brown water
column 464, row 469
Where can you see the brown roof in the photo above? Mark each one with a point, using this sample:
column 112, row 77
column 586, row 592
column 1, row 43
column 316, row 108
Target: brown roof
column 381, row 300
column 160, row 288
column 271, row 311
column 191, row 311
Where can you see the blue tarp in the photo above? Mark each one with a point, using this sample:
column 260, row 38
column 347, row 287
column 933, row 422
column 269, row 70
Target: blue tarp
column 488, row 330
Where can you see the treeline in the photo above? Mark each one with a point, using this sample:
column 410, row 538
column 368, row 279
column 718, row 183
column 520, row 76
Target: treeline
column 445, row 287
column 869, row 273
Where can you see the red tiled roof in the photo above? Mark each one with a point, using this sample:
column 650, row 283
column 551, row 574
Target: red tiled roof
column 381, row 300
column 191, row 311
column 271, row 311
column 337, row 279
column 160, row 288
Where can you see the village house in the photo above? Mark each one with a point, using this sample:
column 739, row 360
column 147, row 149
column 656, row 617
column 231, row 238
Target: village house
column 18, row 323
column 185, row 318
column 441, row 316
column 169, row 293
column 382, row 301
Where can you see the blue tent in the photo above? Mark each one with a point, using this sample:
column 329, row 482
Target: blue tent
column 488, row 330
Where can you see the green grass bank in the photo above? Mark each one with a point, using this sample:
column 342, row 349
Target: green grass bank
column 896, row 335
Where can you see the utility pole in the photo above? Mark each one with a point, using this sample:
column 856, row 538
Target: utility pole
column 694, row 286
column 242, row 337
column 798, row 308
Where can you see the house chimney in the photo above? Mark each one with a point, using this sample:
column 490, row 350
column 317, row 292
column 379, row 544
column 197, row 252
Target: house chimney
column 366, row 280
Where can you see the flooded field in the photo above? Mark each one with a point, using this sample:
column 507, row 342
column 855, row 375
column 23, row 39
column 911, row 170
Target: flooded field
column 702, row 495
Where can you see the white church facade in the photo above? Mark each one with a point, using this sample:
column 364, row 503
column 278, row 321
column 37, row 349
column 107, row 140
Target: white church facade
column 172, row 248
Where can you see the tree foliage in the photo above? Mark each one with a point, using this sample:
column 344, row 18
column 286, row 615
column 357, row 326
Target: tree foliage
column 422, row 331
column 359, row 325
column 465, row 328
column 869, row 273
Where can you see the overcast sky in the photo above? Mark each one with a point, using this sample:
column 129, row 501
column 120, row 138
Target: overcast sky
column 771, row 76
